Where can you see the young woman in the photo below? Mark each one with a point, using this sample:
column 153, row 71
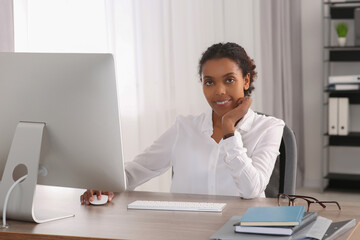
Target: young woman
column 229, row 150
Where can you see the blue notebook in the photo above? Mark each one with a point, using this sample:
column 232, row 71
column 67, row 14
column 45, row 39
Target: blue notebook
column 309, row 217
column 273, row 216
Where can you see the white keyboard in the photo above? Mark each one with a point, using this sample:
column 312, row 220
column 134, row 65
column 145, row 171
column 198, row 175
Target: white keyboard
column 177, row 206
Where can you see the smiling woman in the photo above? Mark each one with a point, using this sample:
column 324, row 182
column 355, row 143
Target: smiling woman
column 230, row 150
column 224, row 88
column 227, row 73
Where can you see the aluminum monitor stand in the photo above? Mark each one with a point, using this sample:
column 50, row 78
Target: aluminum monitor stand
column 25, row 150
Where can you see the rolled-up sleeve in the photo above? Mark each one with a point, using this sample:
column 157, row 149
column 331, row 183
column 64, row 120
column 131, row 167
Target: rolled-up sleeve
column 251, row 174
column 154, row 161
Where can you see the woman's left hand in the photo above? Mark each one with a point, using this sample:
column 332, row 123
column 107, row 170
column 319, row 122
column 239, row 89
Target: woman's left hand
column 232, row 117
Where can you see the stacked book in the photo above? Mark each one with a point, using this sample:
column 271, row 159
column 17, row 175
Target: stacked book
column 345, row 82
column 275, row 220
column 285, row 222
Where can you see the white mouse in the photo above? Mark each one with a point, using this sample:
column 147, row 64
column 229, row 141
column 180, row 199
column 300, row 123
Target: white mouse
column 102, row 201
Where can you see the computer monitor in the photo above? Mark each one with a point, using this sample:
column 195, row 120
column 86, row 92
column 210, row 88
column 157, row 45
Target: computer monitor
column 59, row 112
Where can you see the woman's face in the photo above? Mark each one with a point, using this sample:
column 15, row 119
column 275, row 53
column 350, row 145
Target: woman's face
column 223, row 84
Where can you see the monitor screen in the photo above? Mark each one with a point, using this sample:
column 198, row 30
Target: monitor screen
column 75, row 96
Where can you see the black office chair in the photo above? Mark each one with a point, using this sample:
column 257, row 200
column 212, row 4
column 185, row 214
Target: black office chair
column 283, row 177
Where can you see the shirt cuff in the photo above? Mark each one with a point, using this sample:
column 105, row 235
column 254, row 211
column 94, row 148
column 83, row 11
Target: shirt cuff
column 233, row 147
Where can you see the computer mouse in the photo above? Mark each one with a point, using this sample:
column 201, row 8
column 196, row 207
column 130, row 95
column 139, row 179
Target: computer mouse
column 102, row 201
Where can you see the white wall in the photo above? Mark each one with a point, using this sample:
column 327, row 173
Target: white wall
column 311, row 15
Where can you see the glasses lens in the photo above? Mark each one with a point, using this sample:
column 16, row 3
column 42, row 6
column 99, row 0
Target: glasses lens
column 301, row 202
column 318, row 207
column 283, row 200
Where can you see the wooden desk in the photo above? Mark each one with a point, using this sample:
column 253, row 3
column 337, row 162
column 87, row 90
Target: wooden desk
column 114, row 221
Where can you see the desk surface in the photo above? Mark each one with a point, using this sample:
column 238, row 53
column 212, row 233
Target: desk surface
column 114, row 221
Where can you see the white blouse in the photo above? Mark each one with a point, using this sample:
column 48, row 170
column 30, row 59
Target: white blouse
column 237, row 166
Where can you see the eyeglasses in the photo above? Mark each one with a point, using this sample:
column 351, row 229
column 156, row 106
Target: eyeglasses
column 298, row 200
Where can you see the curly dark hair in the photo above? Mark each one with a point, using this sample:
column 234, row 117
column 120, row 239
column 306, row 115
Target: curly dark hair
column 234, row 52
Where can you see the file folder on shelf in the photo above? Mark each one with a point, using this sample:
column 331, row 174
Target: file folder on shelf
column 333, row 116
column 343, row 116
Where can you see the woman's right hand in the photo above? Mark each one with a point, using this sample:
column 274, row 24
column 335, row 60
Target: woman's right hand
column 88, row 196
column 235, row 115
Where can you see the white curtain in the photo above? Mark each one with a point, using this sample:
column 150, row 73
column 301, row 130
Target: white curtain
column 168, row 38
column 156, row 44
column 281, row 57
column 6, row 26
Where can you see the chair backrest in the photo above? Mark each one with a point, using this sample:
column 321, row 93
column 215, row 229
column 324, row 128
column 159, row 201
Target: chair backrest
column 283, row 178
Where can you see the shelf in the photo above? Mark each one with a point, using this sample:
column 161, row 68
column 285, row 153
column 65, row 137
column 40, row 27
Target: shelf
column 350, row 140
column 343, row 11
column 342, row 176
column 343, row 182
column 346, row 48
column 350, row 54
column 354, row 96
column 341, row 93
column 343, row 2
